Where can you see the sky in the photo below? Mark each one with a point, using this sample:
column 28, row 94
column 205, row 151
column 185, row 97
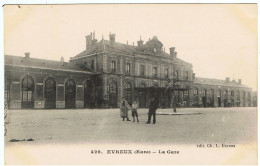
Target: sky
column 220, row 40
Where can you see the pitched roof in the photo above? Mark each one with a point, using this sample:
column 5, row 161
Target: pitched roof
column 217, row 82
column 43, row 63
column 120, row 48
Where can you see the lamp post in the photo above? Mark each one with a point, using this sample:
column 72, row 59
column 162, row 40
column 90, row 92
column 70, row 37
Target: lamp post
column 174, row 80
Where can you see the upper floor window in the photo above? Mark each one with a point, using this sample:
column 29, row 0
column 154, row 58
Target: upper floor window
column 128, row 68
column 166, row 73
column 113, row 66
column 195, row 92
column 92, row 64
column 155, row 71
column 142, row 70
column 176, row 74
column 186, row 75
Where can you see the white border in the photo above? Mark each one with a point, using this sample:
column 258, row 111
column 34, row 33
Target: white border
column 89, row 2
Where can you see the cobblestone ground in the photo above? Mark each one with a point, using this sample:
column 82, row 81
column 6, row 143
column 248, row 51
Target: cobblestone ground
column 189, row 126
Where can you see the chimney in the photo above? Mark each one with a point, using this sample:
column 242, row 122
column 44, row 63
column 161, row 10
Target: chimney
column 88, row 41
column 227, row 79
column 239, row 81
column 172, row 51
column 193, row 76
column 27, row 55
column 140, row 43
column 112, row 37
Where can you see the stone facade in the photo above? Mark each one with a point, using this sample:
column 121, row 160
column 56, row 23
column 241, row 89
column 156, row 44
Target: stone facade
column 107, row 70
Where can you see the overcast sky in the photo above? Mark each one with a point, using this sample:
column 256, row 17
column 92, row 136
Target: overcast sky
column 219, row 40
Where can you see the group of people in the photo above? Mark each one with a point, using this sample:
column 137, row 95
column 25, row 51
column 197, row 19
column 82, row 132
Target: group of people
column 125, row 107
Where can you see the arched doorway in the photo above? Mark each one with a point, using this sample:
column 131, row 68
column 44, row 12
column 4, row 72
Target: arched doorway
column 112, row 93
column 27, row 92
column 88, row 94
column 211, row 98
column 219, row 98
column 50, row 93
column 244, row 99
column 238, row 99
column 249, row 99
column 196, row 97
column 70, row 93
column 204, row 98
column 142, row 96
column 225, row 98
column 7, row 91
column 232, row 98
column 128, row 93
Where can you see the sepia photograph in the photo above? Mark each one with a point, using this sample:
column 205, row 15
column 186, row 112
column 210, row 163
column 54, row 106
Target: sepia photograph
column 130, row 84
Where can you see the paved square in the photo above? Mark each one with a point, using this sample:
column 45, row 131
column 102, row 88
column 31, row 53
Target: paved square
column 190, row 126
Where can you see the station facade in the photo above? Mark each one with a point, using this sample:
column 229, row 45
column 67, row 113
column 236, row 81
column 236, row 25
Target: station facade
column 107, row 70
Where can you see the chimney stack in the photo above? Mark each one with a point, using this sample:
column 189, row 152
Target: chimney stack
column 172, row 52
column 88, row 41
column 239, row 81
column 227, row 79
column 112, row 37
column 140, row 43
column 27, row 55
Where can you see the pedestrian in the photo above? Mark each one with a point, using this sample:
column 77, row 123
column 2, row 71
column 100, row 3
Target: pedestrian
column 134, row 111
column 124, row 107
column 152, row 111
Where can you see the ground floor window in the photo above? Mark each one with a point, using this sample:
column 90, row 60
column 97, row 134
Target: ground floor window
column 112, row 93
column 128, row 93
column 27, row 92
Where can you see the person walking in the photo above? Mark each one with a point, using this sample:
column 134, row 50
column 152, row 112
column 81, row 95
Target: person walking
column 134, row 111
column 152, row 111
column 124, row 107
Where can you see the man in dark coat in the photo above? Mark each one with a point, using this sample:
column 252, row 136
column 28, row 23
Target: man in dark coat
column 152, row 111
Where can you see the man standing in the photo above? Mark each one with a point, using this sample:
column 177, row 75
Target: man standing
column 124, row 109
column 152, row 111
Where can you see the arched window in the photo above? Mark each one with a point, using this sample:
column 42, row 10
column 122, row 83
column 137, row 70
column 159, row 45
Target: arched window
column 196, row 97
column 244, row 99
column 50, row 93
column 112, row 93
column 142, row 96
column 70, row 93
column 128, row 93
column 238, row 98
column 232, row 98
column 225, row 95
column 249, row 99
column 88, row 94
column 219, row 98
column 211, row 98
column 204, row 98
column 7, row 91
column 27, row 92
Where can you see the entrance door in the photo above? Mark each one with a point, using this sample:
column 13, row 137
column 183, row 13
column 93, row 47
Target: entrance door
column 88, row 94
column 50, row 93
column 27, row 92
column 204, row 98
column 113, row 94
column 128, row 93
column 219, row 101
column 70, row 94
column 142, row 96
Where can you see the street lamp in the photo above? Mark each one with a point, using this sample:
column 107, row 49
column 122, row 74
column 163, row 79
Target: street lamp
column 174, row 80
